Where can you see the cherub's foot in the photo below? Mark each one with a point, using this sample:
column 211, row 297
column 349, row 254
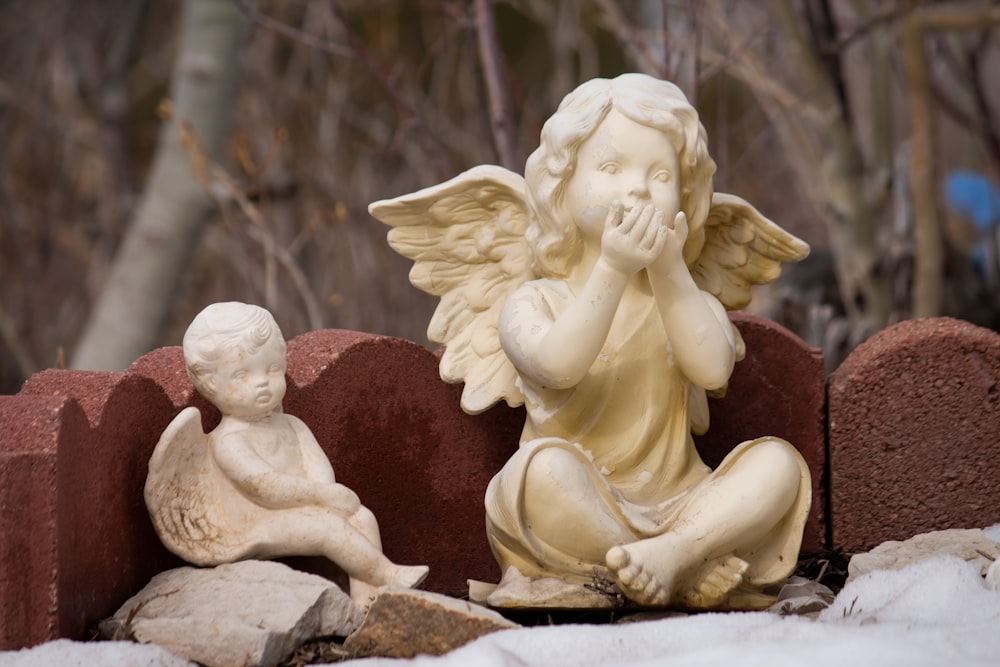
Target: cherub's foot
column 403, row 576
column 406, row 576
column 363, row 594
column 715, row 581
column 648, row 581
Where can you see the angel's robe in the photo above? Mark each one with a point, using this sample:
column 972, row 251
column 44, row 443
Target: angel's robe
column 629, row 424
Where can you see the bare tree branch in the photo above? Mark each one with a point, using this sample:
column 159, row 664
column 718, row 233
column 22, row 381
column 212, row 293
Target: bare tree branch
column 411, row 118
column 265, row 21
column 929, row 257
column 491, row 61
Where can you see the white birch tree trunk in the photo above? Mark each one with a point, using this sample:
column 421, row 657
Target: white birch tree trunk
column 171, row 215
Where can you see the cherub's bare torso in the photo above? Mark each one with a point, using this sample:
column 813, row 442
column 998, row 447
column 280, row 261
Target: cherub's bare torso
column 274, row 440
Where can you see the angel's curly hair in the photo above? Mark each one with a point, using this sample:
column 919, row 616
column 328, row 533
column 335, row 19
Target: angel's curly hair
column 648, row 101
column 225, row 326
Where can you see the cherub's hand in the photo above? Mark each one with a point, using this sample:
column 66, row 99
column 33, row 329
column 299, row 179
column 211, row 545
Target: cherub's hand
column 632, row 241
column 672, row 254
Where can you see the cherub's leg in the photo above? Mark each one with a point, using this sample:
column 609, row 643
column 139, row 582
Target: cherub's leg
column 319, row 532
column 564, row 508
column 694, row 559
column 364, row 521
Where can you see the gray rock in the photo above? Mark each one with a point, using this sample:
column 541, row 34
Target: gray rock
column 404, row 623
column 251, row 613
column 971, row 545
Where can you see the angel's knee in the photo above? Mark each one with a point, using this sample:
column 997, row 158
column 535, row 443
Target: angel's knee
column 550, row 471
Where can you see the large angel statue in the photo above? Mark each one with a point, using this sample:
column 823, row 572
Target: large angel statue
column 594, row 291
column 259, row 485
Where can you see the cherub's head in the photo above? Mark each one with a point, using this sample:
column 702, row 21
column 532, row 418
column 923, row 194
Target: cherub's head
column 553, row 235
column 235, row 356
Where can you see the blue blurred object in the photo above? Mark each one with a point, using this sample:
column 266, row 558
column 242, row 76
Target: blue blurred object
column 971, row 195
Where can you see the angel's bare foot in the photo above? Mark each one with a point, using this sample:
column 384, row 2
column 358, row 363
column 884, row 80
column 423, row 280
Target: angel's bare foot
column 645, row 571
column 715, row 581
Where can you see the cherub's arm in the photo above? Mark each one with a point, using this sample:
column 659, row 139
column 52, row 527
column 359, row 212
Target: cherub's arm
column 700, row 334
column 558, row 352
column 267, row 487
column 315, row 463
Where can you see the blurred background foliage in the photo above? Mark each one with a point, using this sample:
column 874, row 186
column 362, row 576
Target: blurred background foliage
column 842, row 120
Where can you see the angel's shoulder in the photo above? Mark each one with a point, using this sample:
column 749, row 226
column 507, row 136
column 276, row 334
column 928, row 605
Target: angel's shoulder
column 544, row 290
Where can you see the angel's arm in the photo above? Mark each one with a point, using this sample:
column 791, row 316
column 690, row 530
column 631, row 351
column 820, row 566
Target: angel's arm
column 699, row 331
column 558, row 351
column 267, row 487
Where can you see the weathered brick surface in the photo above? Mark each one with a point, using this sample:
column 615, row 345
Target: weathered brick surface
column 914, row 433
column 31, row 429
column 105, row 544
column 777, row 390
column 396, row 435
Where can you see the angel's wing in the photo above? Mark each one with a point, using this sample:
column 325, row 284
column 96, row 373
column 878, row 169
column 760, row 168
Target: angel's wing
column 466, row 238
column 177, row 492
column 742, row 248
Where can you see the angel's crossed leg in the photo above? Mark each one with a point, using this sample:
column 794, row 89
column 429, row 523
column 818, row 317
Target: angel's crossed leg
column 694, row 561
column 353, row 543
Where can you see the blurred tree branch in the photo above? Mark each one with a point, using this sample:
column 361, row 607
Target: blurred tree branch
column 494, row 74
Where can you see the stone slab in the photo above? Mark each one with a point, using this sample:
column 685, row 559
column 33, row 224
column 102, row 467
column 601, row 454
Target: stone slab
column 970, row 544
column 914, row 424
column 247, row 614
column 407, row 623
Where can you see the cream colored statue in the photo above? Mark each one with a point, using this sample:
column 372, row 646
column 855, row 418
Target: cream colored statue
column 258, row 485
column 594, row 291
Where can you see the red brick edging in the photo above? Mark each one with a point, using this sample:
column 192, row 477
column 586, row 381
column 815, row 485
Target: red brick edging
column 914, row 423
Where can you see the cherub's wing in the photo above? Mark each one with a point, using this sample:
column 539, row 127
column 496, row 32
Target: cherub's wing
column 178, row 499
column 742, row 248
column 466, row 238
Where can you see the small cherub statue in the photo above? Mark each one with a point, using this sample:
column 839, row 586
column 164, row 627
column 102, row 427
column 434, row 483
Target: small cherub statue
column 594, row 291
column 258, row 485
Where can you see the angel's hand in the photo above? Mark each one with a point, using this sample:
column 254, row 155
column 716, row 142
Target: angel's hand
column 676, row 235
column 632, row 241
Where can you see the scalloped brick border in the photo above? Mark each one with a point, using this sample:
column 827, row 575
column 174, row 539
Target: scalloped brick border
column 75, row 539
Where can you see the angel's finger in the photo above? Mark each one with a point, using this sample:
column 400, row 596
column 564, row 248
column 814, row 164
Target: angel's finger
column 659, row 240
column 680, row 221
column 643, row 216
column 632, row 216
column 654, row 228
column 614, row 214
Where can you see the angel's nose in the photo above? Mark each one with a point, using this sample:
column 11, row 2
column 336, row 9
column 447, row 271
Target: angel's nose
column 639, row 189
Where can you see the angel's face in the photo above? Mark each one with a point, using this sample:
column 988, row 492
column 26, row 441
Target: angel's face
column 626, row 161
column 250, row 384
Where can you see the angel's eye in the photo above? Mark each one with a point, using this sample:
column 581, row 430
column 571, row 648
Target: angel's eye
column 610, row 168
column 663, row 176
column 239, row 375
column 275, row 368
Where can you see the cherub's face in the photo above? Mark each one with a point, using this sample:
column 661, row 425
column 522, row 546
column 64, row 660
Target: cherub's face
column 626, row 161
column 249, row 385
